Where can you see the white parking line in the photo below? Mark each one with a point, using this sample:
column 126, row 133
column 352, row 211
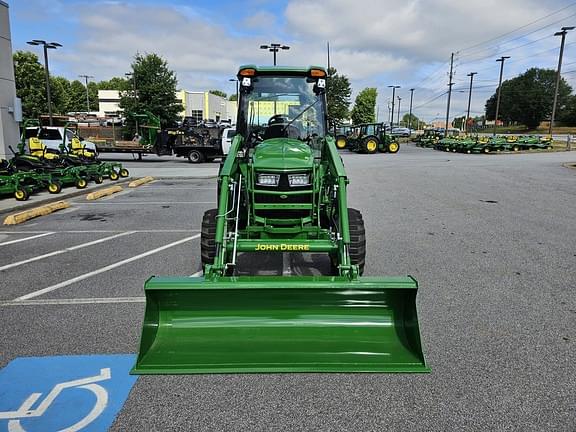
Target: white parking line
column 102, row 231
column 128, row 203
column 96, row 300
column 44, row 234
column 103, row 269
column 61, row 251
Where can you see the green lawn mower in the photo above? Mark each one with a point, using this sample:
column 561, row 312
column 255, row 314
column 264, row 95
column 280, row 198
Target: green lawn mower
column 370, row 138
column 281, row 189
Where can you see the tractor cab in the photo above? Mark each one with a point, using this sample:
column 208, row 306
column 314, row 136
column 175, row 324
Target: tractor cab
column 282, row 109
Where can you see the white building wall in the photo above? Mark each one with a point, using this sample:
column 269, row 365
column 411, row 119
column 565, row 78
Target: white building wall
column 9, row 133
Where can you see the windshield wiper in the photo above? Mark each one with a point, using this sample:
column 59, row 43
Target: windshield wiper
column 300, row 114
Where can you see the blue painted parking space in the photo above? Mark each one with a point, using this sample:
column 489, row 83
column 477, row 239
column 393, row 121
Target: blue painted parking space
column 71, row 393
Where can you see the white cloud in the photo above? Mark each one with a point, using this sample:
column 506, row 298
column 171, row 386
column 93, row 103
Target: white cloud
column 374, row 43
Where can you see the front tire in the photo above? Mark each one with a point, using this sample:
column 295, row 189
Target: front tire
column 81, row 183
column 21, row 194
column 208, row 237
column 195, row 156
column 113, row 175
column 357, row 248
column 393, row 147
column 124, row 172
column 341, row 142
column 54, row 187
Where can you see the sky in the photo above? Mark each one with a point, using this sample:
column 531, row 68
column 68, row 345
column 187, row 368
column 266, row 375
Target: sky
column 375, row 43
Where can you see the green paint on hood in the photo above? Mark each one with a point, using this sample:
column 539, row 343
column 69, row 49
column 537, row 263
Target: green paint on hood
column 283, row 154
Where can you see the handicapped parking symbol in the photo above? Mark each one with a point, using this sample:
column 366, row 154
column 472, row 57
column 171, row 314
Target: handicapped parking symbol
column 25, row 410
column 65, row 393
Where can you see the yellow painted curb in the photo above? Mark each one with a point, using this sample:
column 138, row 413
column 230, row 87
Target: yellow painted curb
column 140, row 181
column 44, row 210
column 103, row 192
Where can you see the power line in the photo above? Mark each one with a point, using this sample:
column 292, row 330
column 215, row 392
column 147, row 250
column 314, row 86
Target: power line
column 519, row 28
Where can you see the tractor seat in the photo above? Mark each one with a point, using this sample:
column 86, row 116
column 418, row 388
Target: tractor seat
column 78, row 149
column 38, row 149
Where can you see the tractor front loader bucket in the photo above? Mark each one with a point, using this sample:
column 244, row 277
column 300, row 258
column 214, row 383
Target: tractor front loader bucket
column 274, row 324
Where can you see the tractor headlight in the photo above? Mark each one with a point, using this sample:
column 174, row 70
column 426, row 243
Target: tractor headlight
column 267, row 179
column 298, row 179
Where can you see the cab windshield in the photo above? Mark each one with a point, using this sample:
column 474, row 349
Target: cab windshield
column 282, row 107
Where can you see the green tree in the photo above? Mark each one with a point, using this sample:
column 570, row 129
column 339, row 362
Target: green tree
column 30, row 83
column 155, row 91
column 410, row 119
column 218, row 93
column 233, row 97
column 59, row 94
column 364, row 106
column 116, row 83
column 458, row 122
column 77, row 97
column 93, row 95
column 527, row 98
column 338, row 98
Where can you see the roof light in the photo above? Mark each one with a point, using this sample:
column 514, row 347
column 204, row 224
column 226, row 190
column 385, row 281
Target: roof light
column 247, row 72
column 317, row 73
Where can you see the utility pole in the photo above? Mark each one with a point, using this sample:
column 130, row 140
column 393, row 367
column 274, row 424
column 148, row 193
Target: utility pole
column 471, row 75
column 410, row 115
column 501, row 60
column 399, row 100
column 563, row 34
column 450, row 84
column 393, row 87
column 86, row 77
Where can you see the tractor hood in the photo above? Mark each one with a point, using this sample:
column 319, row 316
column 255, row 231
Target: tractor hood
column 283, row 154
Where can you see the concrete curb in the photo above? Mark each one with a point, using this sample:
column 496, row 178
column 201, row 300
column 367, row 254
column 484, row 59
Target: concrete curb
column 23, row 216
column 140, row 181
column 55, row 198
column 571, row 165
column 104, row 192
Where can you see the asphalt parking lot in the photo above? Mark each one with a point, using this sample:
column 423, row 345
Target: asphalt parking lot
column 490, row 238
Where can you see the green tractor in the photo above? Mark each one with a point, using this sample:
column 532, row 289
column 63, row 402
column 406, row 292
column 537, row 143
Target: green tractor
column 371, row 138
column 342, row 135
column 281, row 189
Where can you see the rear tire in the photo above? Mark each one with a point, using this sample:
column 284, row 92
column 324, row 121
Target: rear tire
column 124, row 172
column 99, row 179
column 195, row 156
column 357, row 249
column 370, row 145
column 208, row 237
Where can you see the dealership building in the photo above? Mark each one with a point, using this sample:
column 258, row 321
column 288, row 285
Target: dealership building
column 197, row 105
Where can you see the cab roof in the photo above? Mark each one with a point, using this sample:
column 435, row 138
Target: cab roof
column 297, row 70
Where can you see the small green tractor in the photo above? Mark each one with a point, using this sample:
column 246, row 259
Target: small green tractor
column 281, row 189
column 371, row 138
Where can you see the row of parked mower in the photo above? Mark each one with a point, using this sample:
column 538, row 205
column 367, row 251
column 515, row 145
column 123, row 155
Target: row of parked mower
column 37, row 167
column 485, row 144
column 366, row 138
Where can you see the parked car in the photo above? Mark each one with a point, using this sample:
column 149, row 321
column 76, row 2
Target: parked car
column 401, row 131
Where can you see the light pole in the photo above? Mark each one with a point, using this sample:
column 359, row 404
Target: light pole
column 410, row 115
column 235, row 80
column 393, row 87
column 471, row 75
column 274, row 48
column 501, row 60
column 46, row 46
column 86, row 77
column 563, row 34
column 399, row 100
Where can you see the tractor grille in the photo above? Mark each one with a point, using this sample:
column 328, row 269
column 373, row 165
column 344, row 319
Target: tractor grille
column 278, row 199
